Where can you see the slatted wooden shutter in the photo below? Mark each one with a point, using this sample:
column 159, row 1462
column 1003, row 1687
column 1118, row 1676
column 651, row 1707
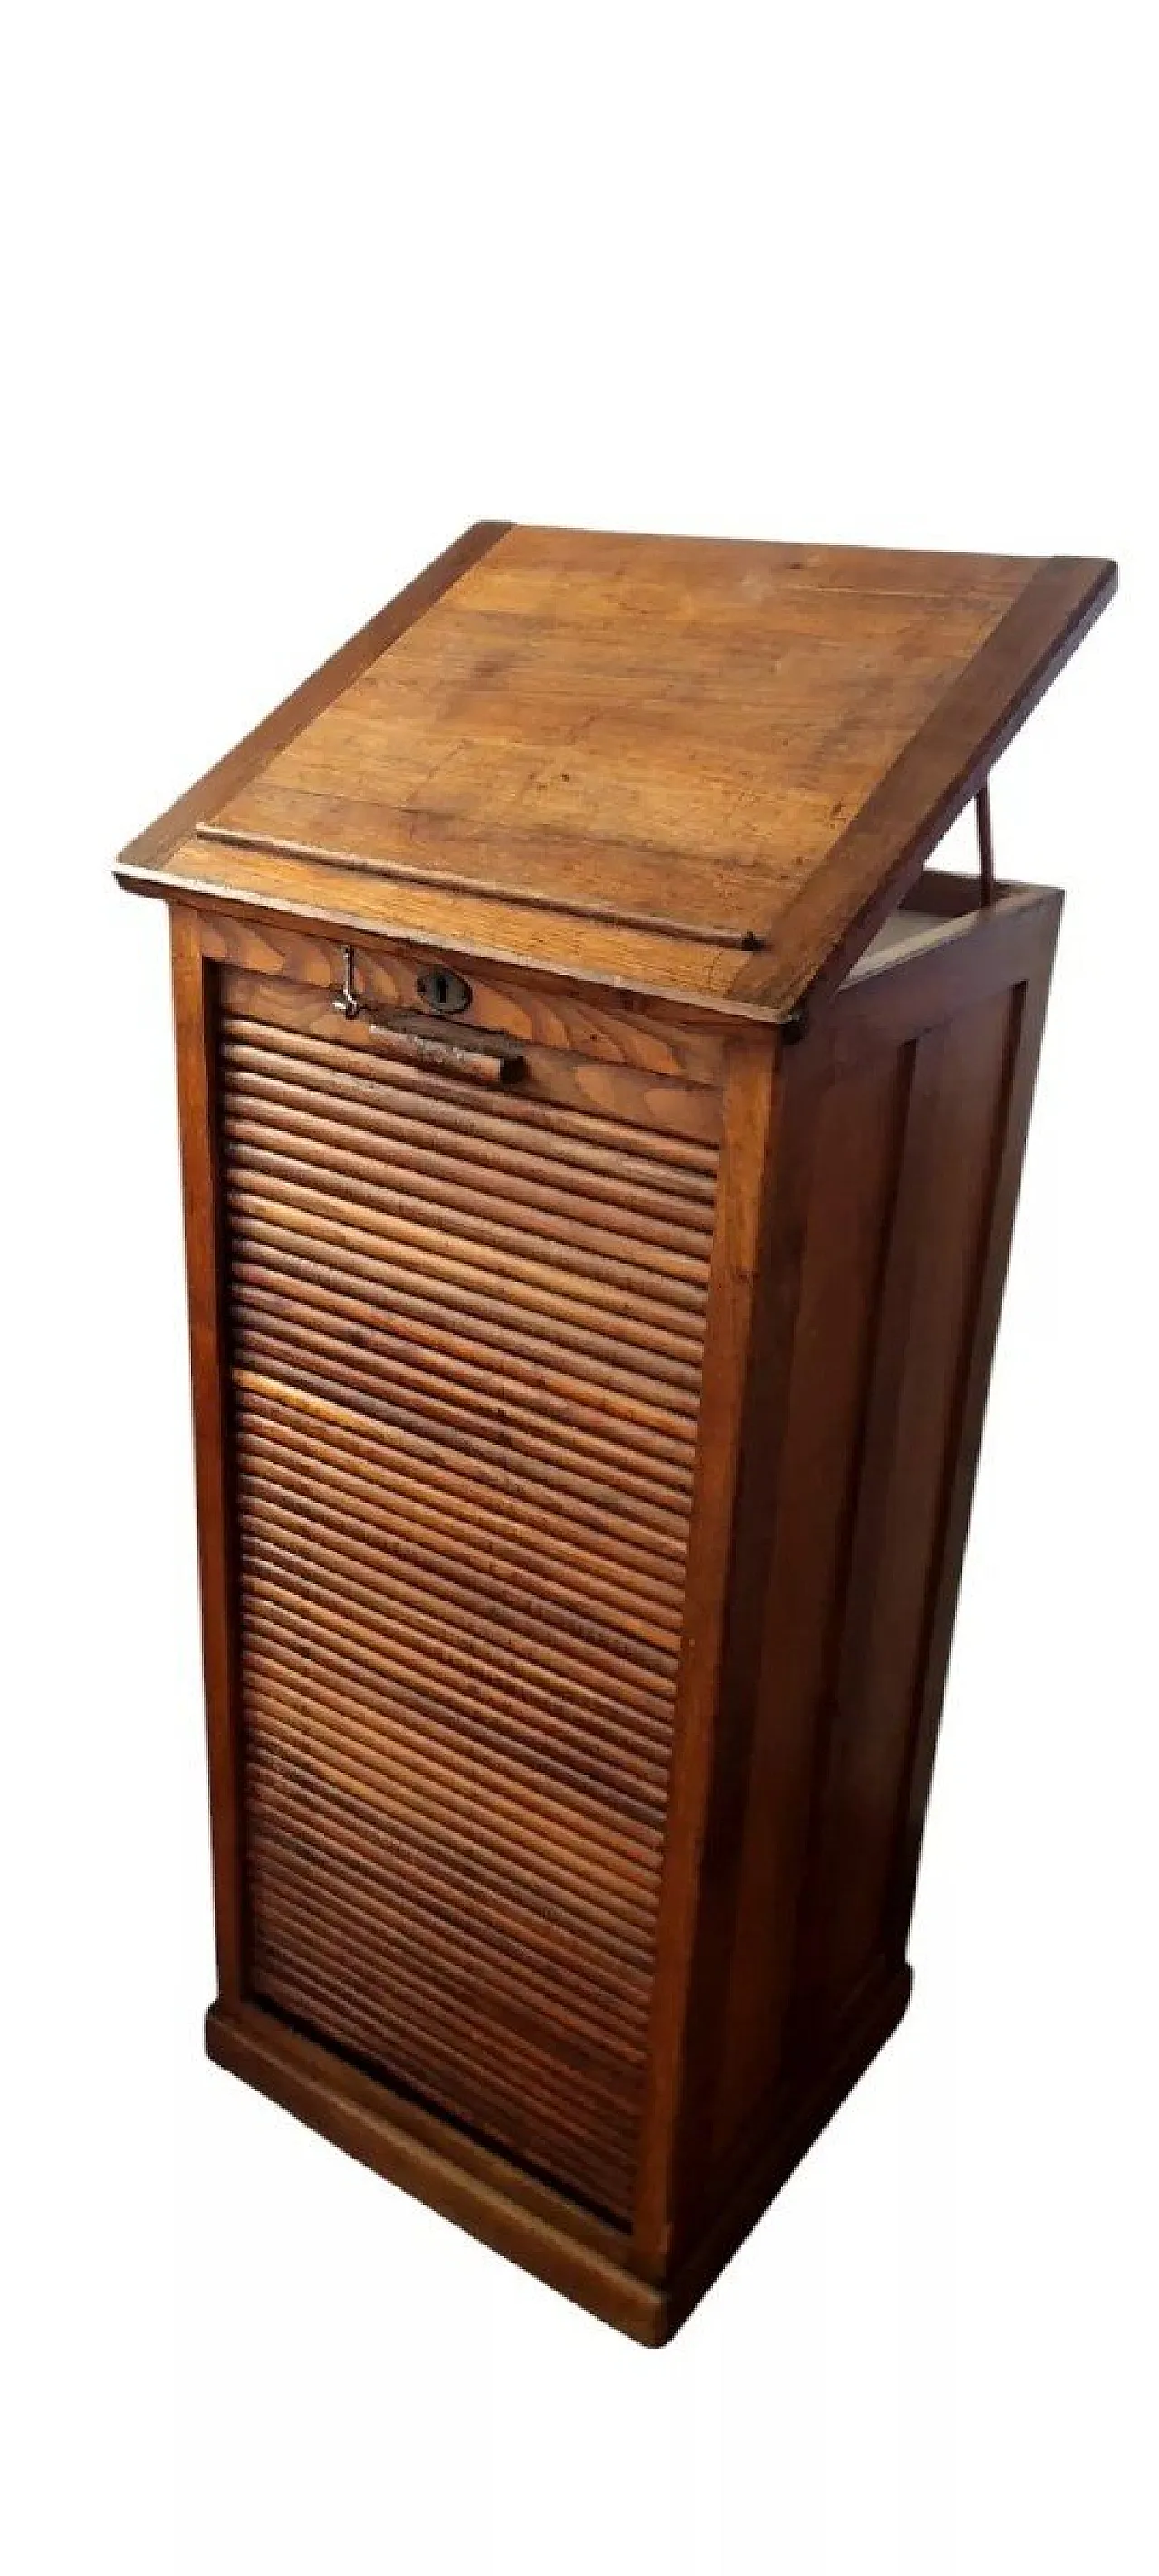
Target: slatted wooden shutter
column 466, row 1342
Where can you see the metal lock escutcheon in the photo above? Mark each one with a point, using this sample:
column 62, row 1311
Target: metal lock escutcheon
column 443, row 991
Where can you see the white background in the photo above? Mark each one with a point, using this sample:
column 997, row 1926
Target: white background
column 291, row 296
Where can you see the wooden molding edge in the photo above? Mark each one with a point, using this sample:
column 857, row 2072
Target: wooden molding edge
column 335, row 2102
column 356, row 2115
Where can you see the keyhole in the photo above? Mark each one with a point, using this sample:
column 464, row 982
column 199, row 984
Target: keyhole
column 442, row 990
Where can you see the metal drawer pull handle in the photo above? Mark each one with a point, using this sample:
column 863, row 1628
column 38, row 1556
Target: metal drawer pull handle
column 470, row 1057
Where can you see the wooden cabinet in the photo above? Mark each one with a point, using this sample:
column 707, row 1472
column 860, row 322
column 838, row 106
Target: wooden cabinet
column 600, row 1143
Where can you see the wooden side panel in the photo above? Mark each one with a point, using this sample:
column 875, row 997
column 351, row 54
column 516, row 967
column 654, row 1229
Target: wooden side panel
column 914, row 1182
column 944, row 1198
column 849, row 1209
column 195, row 1030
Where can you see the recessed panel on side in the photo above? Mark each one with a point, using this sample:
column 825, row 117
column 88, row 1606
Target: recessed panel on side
column 811, row 1483
column 958, row 1097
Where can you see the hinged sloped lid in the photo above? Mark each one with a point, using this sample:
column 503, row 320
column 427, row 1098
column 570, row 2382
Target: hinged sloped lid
column 686, row 766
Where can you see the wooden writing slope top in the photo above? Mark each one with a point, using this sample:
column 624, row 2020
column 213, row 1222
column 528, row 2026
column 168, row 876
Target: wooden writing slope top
column 695, row 769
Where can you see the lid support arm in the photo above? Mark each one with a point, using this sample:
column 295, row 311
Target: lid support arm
column 985, row 842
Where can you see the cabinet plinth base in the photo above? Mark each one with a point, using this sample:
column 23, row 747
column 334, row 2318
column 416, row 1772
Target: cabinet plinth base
column 563, row 2245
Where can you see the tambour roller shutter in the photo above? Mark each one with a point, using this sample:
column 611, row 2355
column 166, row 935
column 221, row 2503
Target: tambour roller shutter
column 466, row 1340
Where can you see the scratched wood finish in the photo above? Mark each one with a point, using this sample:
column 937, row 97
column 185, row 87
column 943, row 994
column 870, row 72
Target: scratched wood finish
column 672, row 765
column 465, row 1407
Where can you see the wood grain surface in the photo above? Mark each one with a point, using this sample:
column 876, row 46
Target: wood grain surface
column 677, row 765
column 590, row 1353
